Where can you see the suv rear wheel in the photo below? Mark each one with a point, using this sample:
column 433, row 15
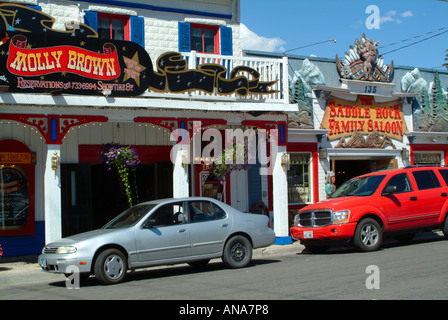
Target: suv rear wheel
column 445, row 226
column 368, row 235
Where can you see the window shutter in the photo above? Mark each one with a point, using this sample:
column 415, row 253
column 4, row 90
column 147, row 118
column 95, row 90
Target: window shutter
column 38, row 8
column 138, row 30
column 226, row 41
column 184, row 37
column 91, row 19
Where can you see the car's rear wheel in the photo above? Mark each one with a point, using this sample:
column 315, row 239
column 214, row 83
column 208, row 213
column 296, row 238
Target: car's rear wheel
column 237, row 252
column 445, row 227
column 368, row 235
column 110, row 266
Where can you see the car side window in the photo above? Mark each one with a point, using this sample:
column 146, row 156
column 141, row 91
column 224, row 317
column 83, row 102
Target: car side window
column 444, row 174
column 205, row 211
column 426, row 179
column 401, row 181
column 168, row 215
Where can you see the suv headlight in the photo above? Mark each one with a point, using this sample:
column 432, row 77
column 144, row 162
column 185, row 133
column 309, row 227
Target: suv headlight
column 342, row 216
column 296, row 220
column 65, row 250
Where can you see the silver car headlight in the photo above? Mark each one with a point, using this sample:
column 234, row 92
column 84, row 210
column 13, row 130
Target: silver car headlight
column 342, row 216
column 66, row 250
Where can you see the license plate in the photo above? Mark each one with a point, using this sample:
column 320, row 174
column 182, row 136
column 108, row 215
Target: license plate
column 43, row 262
column 308, row 234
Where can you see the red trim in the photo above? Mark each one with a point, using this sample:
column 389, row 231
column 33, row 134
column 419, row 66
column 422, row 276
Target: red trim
column 147, row 154
column 208, row 27
column 198, row 168
column 281, row 126
column 124, row 18
column 53, row 128
column 429, row 147
column 29, row 170
column 312, row 148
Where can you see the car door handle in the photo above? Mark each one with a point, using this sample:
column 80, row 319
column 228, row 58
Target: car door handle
column 443, row 194
column 413, row 198
column 181, row 230
column 225, row 225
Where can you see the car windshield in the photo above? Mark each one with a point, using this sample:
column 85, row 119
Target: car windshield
column 360, row 187
column 129, row 217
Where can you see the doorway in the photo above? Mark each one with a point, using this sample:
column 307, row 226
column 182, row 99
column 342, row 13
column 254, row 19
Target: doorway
column 92, row 195
column 347, row 169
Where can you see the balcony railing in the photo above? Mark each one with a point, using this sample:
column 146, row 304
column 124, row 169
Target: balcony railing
column 269, row 69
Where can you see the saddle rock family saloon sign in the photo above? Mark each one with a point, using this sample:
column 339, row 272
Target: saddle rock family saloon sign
column 40, row 59
column 343, row 118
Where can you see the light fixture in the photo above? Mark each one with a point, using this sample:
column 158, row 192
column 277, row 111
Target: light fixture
column 323, row 153
column 185, row 160
column 55, row 161
column 285, row 160
column 405, row 154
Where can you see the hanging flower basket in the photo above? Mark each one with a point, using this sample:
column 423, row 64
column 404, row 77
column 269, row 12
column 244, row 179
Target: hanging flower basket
column 230, row 161
column 124, row 161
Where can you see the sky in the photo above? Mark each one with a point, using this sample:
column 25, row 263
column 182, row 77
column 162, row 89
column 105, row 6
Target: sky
column 281, row 25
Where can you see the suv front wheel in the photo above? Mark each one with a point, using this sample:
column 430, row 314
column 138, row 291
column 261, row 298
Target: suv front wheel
column 368, row 235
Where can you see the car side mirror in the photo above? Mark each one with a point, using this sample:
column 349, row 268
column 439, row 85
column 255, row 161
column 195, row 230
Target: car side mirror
column 149, row 223
column 390, row 190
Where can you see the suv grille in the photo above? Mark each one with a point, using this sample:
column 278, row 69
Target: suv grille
column 318, row 218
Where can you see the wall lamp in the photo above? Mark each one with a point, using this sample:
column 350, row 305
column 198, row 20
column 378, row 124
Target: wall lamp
column 323, row 153
column 405, row 154
column 285, row 160
column 185, row 160
column 55, row 162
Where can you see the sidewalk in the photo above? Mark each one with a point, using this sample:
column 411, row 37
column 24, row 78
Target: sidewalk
column 25, row 269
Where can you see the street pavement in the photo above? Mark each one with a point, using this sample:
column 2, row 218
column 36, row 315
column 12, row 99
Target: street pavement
column 26, row 270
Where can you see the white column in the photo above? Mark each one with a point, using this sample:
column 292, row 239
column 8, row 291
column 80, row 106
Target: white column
column 180, row 172
column 280, row 198
column 52, row 195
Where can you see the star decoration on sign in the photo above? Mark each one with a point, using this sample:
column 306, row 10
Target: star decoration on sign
column 133, row 68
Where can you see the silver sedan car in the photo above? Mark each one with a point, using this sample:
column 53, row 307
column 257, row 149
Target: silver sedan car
column 160, row 232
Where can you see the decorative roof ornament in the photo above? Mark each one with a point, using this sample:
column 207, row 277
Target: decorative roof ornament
column 362, row 62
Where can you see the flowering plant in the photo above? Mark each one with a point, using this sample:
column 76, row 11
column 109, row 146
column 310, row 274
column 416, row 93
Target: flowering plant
column 230, row 160
column 124, row 159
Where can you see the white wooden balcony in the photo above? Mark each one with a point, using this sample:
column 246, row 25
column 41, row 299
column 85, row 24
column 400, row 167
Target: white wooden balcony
column 269, row 69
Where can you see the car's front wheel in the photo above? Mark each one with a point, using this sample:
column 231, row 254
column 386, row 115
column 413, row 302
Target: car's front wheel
column 110, row 266
column 368, row 235
column 237, row 252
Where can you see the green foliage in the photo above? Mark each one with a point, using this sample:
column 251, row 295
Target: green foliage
column 124, row 161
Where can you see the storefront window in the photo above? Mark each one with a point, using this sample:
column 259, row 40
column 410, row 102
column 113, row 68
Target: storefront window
column 426, row 159
column 299, row 189
column 13, row 198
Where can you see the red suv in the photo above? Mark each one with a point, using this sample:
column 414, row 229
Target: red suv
column 398, row 202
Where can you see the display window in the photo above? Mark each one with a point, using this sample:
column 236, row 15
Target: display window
column 17, row 215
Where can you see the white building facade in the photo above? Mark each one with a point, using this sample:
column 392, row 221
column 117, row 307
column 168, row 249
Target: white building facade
column 56, row 120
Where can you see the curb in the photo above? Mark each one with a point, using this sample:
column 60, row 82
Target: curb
column 29, row 263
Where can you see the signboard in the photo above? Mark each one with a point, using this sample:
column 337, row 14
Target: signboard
column 35, row 58
column 84, row 66
column 13, row 158
column 365, row 116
